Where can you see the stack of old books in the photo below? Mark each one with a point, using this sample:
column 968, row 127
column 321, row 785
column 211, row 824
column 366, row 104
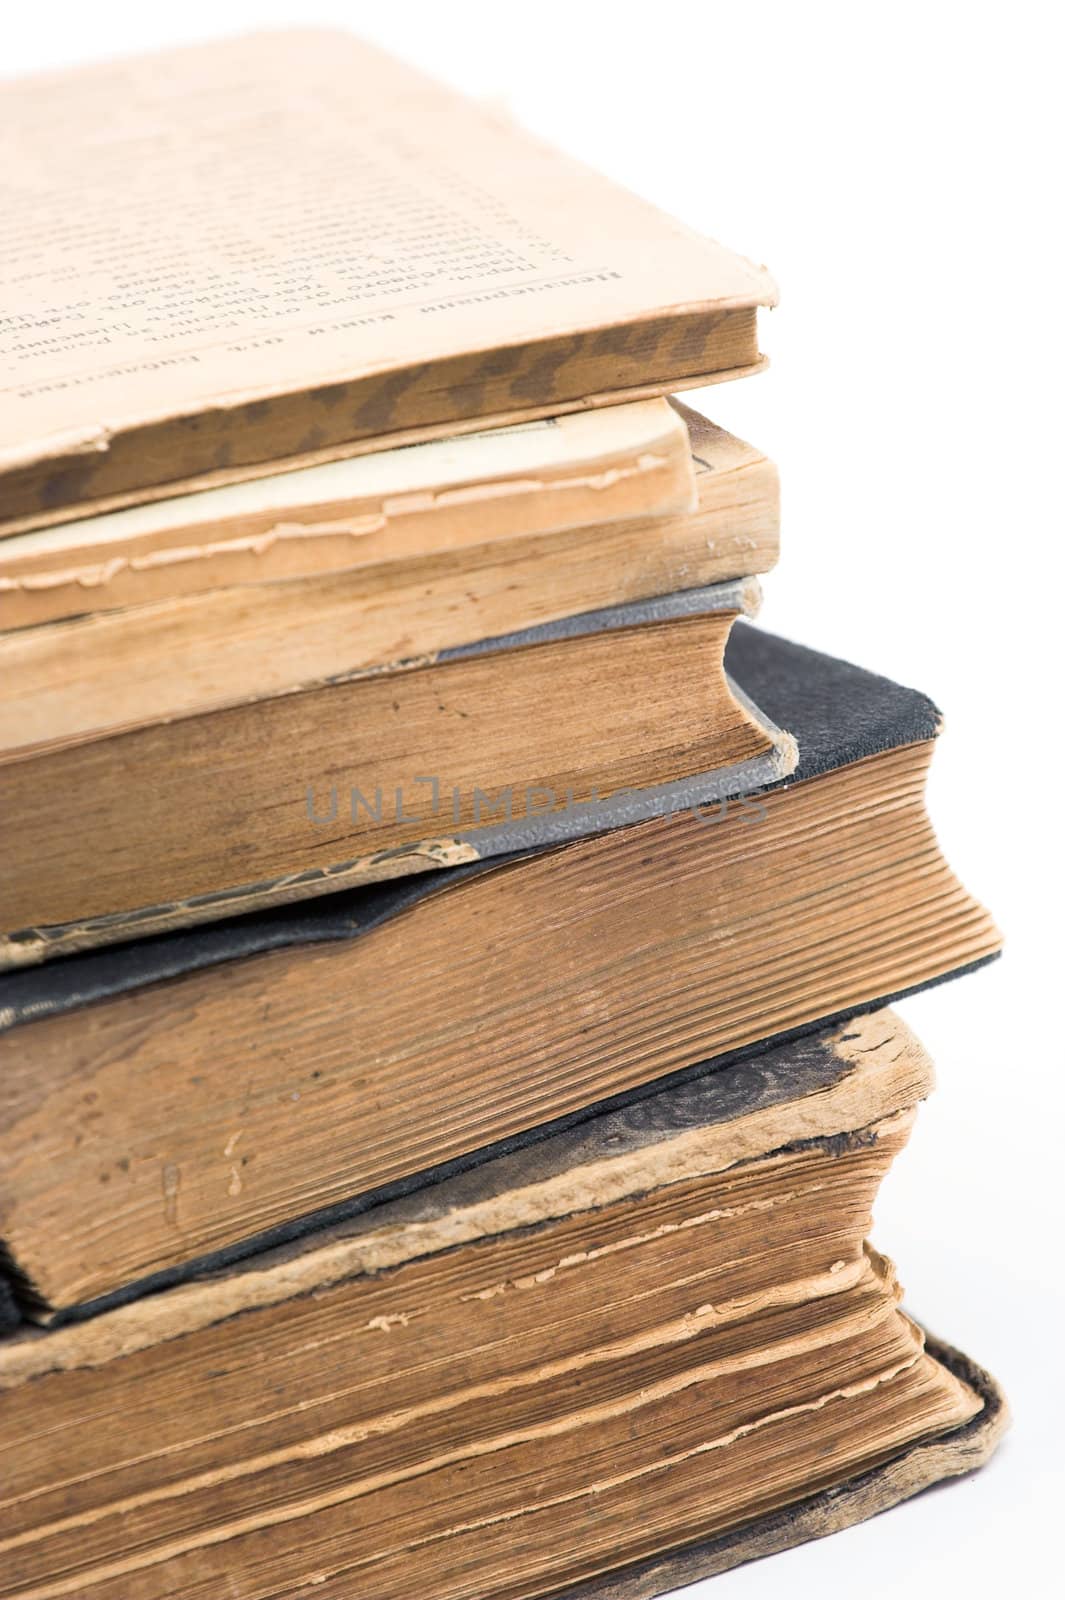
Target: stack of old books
column 444, row 1060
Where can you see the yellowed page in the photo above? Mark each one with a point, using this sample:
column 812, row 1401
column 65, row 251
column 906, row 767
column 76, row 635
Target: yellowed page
column 270, row 215
column 541, row 477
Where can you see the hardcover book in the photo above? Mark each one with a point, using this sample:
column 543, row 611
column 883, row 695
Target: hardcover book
column 608, row 1362
column 377, row 773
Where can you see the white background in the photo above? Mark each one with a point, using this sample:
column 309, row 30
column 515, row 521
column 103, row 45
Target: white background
column 898, row 168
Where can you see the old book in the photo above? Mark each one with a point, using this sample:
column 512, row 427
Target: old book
column 376, row 257
column 458, row 756
column 208, row 1088
column 606, row 1362
column 429, row 579
column 394, row 508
